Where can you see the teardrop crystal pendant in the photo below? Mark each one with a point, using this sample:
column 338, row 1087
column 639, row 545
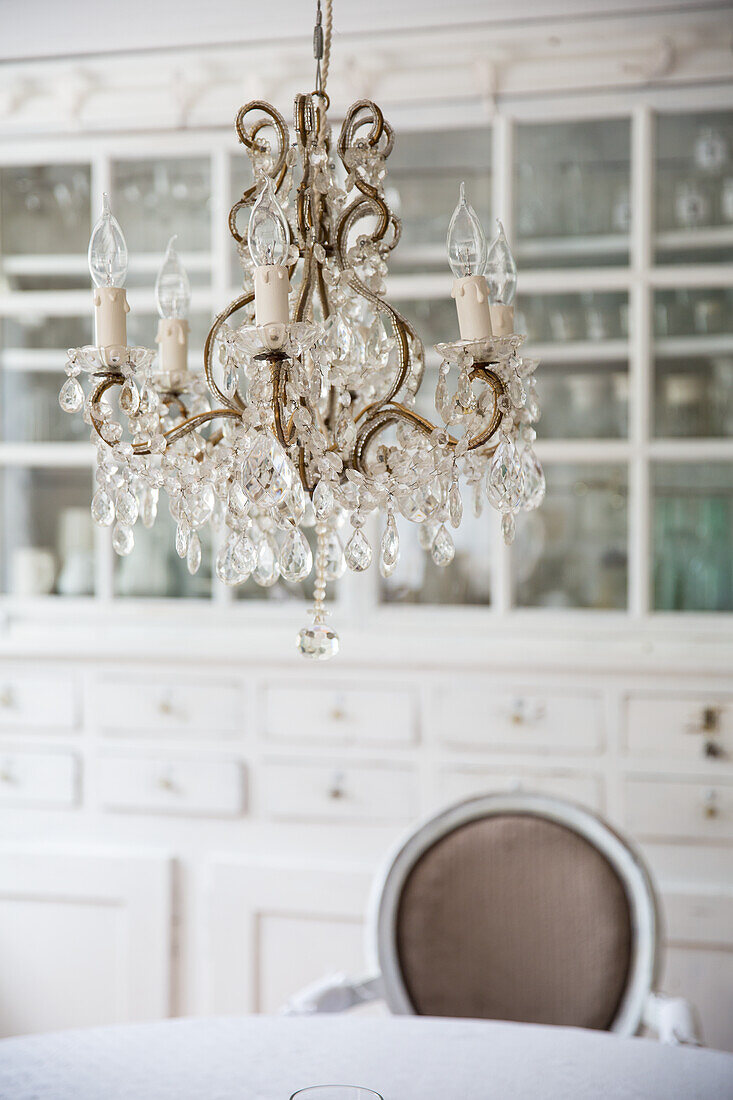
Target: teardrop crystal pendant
column 103, row 508
column 183, row 533
column 126, row 507
column 148, row 506
column 508, row 527
column 443, row 549
column 268, row 473
column 335, row 560
column 389, row 550
column 505, row 480
column 227, row 567
column 129, row 398
column 245, row 556
column 193, row 554
column 123, row 540
column 358, row 552
column 455, row 505
column 296, row 557
column 534, row 480
column 317, row 642
column 267, row 569
column 71, row 396
column 323, row 499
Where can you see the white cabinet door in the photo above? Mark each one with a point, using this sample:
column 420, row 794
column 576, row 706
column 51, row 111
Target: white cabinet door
column 275, row 927
column 85, row 939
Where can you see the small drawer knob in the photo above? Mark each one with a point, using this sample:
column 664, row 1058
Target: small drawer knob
column 166, row 782
column 6, row 697
column 7, row 775
column 337, row 790
column 710, row 803
column 165, row 706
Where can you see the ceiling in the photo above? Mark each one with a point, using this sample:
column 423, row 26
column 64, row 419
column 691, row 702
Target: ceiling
column 48, row 28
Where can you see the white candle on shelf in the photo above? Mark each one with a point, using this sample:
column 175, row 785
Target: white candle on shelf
column 108, row 267
column 268, row 238
column 173, row 295
column 466, row 255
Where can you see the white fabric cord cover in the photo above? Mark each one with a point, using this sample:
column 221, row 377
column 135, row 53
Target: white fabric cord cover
column 403, row 1058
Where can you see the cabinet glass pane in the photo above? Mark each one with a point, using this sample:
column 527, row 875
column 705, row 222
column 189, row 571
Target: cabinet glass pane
column 693, row 363
column 46, row 532
column 30, row 412
column 467, row 580
column 694, row 187
column 153, row 199
column 572, row 551
column 424, row 172
column 44, row 210
column 693, row 536
column 154, row 570
column 572, row 204
column 35, row 331
column 597, row 317
column 583, row 400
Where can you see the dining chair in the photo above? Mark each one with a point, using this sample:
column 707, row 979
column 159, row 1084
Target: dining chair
column 514, row 906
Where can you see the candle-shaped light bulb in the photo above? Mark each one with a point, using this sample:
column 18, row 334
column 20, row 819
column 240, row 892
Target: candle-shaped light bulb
column 466, row 240
column 172, row 288
column 501, row 271
column 107, row 250
column 268, row 235
column 108, row 267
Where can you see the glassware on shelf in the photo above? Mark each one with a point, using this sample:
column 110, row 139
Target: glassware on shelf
column 693, row 186
column 33, row 501
column 44, row 209
column 584, row 560
column 692, row 537
column 76, row 551
column 571, row 183
column 155, row 198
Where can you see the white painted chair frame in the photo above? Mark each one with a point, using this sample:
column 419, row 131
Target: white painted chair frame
column 671, row 1018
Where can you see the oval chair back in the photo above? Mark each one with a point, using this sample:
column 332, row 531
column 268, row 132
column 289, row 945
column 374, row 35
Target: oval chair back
column 517, row 907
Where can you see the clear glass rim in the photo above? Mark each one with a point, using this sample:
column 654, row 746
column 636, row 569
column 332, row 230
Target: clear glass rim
column 311, row 1089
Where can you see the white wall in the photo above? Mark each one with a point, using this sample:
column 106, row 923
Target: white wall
column 49, row 28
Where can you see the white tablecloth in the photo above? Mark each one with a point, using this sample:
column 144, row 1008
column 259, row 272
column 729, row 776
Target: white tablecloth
column 404, row 1058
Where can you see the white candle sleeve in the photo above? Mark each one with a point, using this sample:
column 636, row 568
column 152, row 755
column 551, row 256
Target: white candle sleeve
column 172, row 339
column 472, row 304
column 502, row 320
column 110, row 316
column 272, row 287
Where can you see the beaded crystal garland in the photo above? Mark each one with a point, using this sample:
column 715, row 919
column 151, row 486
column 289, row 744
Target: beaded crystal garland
column 307, row 420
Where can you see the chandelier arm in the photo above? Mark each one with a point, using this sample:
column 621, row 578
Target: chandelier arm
column 171, row 435
column 235, row 402
column 385, row 414
column 248, row 138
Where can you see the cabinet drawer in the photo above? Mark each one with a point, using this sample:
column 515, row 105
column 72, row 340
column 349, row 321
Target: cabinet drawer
column 344, row 792
column 48, row 702
column 163, row 784
column 479, row 716
column 43, row 779
column 684, row 809
column 458, row 783
column 374, row 714
column 685, row 727
column 125, row 705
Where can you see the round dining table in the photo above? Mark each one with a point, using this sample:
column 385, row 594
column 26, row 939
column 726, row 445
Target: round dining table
column 401, row 1058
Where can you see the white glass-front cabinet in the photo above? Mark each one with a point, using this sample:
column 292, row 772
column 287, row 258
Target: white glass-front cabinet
column 622, row 227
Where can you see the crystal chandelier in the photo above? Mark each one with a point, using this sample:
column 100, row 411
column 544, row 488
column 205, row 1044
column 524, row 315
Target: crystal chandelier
column 304, row 415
